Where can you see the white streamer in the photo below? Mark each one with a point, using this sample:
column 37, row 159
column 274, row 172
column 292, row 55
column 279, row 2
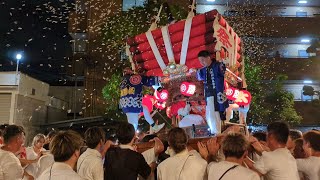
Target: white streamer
column 167, row 43
column 185, row 41
column 155, row 50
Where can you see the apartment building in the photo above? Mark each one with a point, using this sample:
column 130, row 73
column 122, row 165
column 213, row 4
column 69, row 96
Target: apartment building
column 275, row 33
column 92, row 58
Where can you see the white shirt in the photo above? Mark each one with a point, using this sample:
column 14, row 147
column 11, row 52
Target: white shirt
column 149, row 156
column 10, row 167
column 44, row 163
column 278, row 165
column 310, row 167
column 31, row 169
column 59, row 171
column 216, row 170
column 90, row 165
column 182, row 166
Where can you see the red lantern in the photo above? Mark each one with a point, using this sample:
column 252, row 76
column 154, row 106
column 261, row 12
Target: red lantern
column 244, row 98
column 187, row 89
column 232, row 93
column 162, row 95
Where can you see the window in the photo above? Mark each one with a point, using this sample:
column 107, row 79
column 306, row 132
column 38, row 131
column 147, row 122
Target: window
column 33, row 92
column 127, row 4
column 303, row 53
column 301, row 14
column 284, row 53
column 79, row 44
column 123, row 55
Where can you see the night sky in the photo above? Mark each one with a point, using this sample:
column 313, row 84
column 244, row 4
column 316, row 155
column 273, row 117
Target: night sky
column 38, row 28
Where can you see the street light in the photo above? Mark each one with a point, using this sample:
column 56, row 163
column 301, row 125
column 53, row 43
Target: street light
column 18, row 58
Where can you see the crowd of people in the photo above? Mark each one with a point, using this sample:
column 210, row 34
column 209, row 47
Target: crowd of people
column 278, row 154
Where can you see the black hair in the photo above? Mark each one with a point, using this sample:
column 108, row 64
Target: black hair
column 125, row 133
column 234, row 145
column 313, row 138
column 65, row 144
column 12, row 131
column 177, row 139
column 204, row 53
column 261, row 136
column 295, row 134
column 280, row 131
column 93, row 136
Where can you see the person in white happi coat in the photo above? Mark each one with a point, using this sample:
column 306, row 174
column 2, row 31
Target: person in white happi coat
column 65, row 148
column 184, row 165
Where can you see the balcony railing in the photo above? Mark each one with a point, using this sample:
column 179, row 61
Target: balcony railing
column 259, row 14
column 287, row 57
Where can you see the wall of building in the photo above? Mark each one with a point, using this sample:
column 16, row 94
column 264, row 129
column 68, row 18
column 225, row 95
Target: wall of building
column 201, row 8
column 290, row 11
column 30, row 87
column 8, row 87
column 67, row 98
column 286, row 50
column 30, row 113
column 296, row 90
column 34, row 103
column 8, row 78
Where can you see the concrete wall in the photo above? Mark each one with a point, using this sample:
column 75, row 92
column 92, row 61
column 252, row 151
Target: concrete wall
column 71, row 98
column 23, row 96
column 30, row 113
column 8, row 78
column 34, row 103
column 56, row 115
column 28, row 85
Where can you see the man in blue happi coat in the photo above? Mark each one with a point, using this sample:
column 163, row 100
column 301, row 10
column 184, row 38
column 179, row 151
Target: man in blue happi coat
column 131, row 96
column 212, row 74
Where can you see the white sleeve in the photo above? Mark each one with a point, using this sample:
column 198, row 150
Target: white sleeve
column 44, row 163
column 159, row 173
column 301, row 165
column 149, row 156
column 255, row 177
column 13, row 170
column 97, row 171
column 262, row 164
column 30, row 153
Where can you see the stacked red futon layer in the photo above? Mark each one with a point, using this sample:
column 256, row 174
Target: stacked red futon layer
column 201, row 38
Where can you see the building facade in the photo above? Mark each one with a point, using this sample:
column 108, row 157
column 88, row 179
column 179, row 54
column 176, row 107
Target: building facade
column 31, row 103
column 275, row 33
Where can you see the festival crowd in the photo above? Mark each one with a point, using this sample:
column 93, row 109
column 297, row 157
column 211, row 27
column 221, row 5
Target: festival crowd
column 278, row 154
